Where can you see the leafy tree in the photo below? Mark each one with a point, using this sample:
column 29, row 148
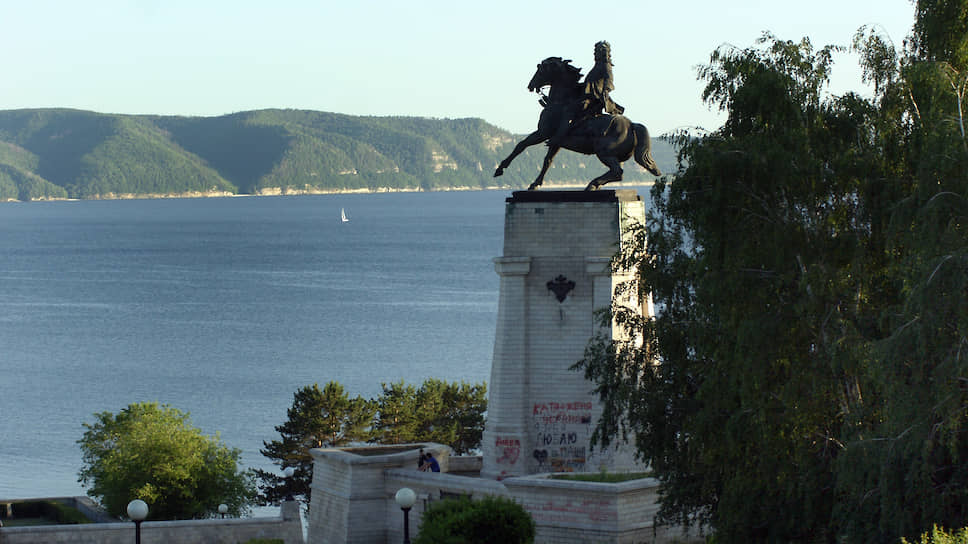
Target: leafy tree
column 941, row 32
column 940, row 536
column 811, row 266
column 909, row 470
column 437, row 411
column 152, row 452
column 746, row 378
column 318, row 418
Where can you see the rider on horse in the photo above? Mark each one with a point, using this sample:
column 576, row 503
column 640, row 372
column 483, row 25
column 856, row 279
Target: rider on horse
column 598, row 84
column 572, row 120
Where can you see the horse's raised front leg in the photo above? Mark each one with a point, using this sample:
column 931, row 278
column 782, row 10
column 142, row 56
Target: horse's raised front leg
column 549, row 156
column 614, row 173
column 534, row 138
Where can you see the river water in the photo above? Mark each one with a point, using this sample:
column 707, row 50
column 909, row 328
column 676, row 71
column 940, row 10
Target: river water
column 224, row 307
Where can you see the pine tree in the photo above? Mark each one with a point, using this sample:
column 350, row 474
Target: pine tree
column 318, row 418
column 437, row 411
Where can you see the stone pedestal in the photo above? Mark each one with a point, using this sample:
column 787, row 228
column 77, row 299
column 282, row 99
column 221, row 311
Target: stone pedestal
column 554, row 275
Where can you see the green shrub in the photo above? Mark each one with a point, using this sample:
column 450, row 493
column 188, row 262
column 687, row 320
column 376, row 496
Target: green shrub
column 66, row 515
column 602, row 477
column 462, row 521
column 49, row 510
column 939, row 536
column 28, row 509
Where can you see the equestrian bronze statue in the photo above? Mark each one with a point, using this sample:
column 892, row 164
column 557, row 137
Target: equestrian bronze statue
column 580, row 116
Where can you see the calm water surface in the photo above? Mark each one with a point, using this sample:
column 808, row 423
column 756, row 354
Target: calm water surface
column 224, row 307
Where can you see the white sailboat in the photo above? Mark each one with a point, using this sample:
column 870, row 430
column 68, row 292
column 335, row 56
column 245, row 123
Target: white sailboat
column 342, row 215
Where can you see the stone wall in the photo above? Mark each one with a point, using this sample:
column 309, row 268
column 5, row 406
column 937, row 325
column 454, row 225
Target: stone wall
column 287, row 526
column 354, row 501
column 578, row 512
column 349, row 496
column 564, row 511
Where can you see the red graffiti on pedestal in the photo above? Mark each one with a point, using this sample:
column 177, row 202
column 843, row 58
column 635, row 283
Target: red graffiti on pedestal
column 508, row 450
column 561, row 430
column 572, row 510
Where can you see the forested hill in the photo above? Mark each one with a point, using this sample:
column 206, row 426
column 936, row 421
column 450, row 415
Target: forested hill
column 60, row 153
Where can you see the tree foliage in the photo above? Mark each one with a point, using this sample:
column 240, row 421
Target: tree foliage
column 462, row 521
column 940, row 536
column 437, row 411
column 17, row 184
column 805, row 378
column 916, row 454
column 153, row 453
column 318, row 418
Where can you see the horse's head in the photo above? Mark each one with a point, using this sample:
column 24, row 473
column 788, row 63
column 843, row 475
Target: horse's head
column 554, row 71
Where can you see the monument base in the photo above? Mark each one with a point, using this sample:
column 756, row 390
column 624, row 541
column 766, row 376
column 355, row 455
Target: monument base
column 554, row 276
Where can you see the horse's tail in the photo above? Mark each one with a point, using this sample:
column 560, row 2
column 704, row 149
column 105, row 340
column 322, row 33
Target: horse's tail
column 643, row 149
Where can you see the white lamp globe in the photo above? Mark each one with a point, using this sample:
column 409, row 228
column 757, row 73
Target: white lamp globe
column 405, row 497
column 137, row 510
column 223, row 509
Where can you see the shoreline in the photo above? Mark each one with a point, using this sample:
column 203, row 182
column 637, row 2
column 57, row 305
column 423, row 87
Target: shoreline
column 280, row 191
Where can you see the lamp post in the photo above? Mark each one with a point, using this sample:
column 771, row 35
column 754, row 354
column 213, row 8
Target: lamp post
column 137, row 511
column 405, row 497
column 289, row 472
column 223, row 509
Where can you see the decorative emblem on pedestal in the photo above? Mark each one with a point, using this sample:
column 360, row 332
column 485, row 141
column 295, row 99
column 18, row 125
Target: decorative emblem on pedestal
column 560, row 286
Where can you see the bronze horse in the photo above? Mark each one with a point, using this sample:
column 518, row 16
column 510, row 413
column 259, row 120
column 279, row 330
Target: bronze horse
column 611, row 138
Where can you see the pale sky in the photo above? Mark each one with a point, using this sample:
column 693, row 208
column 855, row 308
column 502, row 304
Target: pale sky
column 439, row 59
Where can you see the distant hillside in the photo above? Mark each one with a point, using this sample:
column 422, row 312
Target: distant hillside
column 58, row 153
